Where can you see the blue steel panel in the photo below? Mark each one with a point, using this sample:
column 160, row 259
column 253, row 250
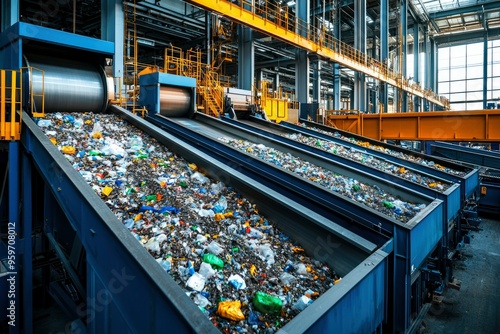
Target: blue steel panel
column 453, row 203
column 425, row 235
column 27, row 261
column 490, row 202
column 130, row 277
column 63, row 38
column 358, row 308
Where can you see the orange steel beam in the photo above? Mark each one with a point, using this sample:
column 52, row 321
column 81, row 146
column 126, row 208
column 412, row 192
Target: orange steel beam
column 318, row 42
column 473, row 126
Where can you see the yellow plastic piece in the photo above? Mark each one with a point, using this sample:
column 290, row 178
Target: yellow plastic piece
column 106, row 191
column 138, row 217
column 230, row 310
column 193, row 166
column 219, row 216
column 97, row 135
column 253, row 270
column 337, row 281
column 432, row 185
column 54, row 141
column 68, row 150
column 402, row 170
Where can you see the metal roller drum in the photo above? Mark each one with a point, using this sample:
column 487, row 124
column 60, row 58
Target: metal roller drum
column 69, row 85
column 174, row 101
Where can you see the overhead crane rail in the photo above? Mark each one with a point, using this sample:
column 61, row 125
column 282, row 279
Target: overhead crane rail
column 279, row 23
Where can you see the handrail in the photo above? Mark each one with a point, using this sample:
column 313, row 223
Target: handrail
column 277, row 21
column 11, row 104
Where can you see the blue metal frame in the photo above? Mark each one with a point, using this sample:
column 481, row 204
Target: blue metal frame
column 151, row 85
column 27, row 260
column 470, row 155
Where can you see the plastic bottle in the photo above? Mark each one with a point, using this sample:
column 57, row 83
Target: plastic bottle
column 214, row 260
column 266, row 303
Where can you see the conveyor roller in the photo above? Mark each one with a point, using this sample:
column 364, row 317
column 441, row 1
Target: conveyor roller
column 174, row 101
column 68, row 85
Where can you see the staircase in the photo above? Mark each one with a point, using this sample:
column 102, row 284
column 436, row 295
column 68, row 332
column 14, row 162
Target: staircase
column 212, row 93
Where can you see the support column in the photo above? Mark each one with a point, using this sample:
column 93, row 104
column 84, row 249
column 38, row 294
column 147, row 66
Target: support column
column 337, row 83
column 317, row 81
column 10, row 13
column 208, row 36
column 112, row 23
column 485, row 70
column 427, row 65
column 246, row 62
column 404, row 50
column 384, row 49
column 301, row 59
column 360, row 44
column 13, row 234
column 416, row 63
column 337, row 79
column 27, row 241
column 433, row 71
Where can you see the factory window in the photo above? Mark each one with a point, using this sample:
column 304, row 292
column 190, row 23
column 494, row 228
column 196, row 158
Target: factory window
column 461, row 74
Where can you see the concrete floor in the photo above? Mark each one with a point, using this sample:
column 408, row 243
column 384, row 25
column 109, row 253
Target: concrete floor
column 476, row 307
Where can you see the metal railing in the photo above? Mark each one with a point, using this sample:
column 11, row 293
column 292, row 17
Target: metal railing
column 321, row 36
column 11, row 104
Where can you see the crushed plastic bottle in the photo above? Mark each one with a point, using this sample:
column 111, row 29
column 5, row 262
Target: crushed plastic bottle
column 266, row 303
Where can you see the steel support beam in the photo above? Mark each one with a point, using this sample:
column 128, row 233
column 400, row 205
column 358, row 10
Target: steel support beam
column 246, row 61
column 27, row 260
column 485, row 70
column 360, row 44
column 384, row 49
column 337, row 84
column 404, row 51
column 112, row 23
column 427, row 64
column 461, row 37
column 10, row 13
column 317, row 81
column 302, row 60
column 416, row 63
column 492, row 5
column 14, row 224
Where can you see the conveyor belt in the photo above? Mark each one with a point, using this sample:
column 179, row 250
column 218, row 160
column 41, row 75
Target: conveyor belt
column 97, row 226
column 469, row 181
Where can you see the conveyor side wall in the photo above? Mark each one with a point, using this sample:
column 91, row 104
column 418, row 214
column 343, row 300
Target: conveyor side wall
column 358, row 309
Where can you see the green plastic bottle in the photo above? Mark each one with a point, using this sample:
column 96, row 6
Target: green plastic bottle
column 213, row 260
column 266, row 303
column 388, row 204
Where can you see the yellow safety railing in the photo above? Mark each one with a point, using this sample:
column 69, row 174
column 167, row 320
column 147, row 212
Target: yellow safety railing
column 37, row 99
column 280, row 21
column 10, row 104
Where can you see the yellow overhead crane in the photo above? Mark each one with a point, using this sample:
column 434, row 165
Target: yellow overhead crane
column 276, row 22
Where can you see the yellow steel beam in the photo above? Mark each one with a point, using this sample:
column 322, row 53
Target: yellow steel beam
column 317, row 41
column 473, row 126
